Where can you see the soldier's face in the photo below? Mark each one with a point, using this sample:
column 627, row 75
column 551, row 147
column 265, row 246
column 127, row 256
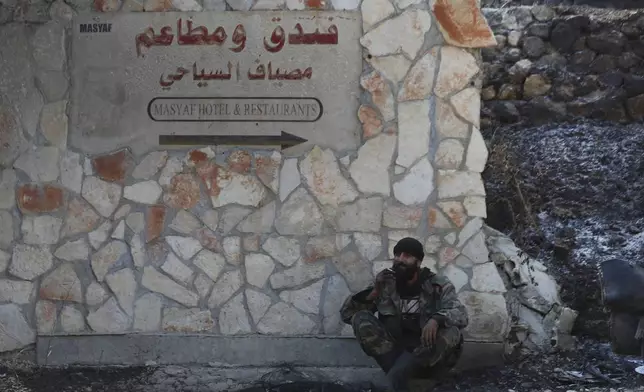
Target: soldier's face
column 406, row 259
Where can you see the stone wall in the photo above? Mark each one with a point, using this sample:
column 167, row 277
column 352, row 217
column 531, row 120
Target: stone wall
column 243, row 241
column 555, row 64
column 615, row 4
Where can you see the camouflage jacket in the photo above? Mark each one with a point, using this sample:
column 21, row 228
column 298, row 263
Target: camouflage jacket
column 437, row 300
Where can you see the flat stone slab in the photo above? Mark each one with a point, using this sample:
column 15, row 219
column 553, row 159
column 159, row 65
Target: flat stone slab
column 226, row 351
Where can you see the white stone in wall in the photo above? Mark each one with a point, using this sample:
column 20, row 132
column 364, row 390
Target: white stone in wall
column 185, row 223
column 477, row 152
column 88, row 170
column 486, row 278
column 472, row 227
column 29, row 262
column 150, row 165
column 394, row 67
column 299, row 215
column 96, row 294
column 402, row 34
column 475, row 206
column 456, row 69
column 369, row 245
column 467, row 105
column 62, row 284
column 137, row 250
column 119, row 232
column 452, row 183
column 53, row 123
column 370, row 170
column 4, row 261
column 146, row 192
column 225, row 287
column 71, row 320
column 102, row 195
column 187, row 320
column 355, row 271
column 147, row 313
column 260, row 221
column 135, row 221
column 106, row 257
column 342, row 240
column 447, row 123
column 176, row 269
column 476, row 249
column 8, row 189
column 71, row 171
column 109, row 318
column 210, row 218
column 155, row 281
column 46, row 317
column 319, row 248
column 214, row 5
column 402, row 4
column 282, row 319
column 203, row 284
column 39, row 163
column 232, row 250
column 306, row 299
column 210, row 263
column 337, row 292
column 298, row 275
column 16, row 332
column 80, row 218
column 267, row 169
column 15, row 291
column 413, row 132
column 240, row 5
column 258, row 268
column 456, row 276
column 283, row 249
column 237, row 188
column 433, row 244
column 231, row 217
column 184, row 247
column 381, row 94
column 295, row 4
column 488, row 316
column 463, row 261
column 187, row 5
column 233, row 318
column 450, row 238
column 258, row 304
column 6, row 229
column 49, row 47
column 417, row 185
column 123, row 285
column 513, row 37
column 364, row 215
column 449, row 154
column 41, row 230
column 172, row 167
column 269, row 5
column 289, row 178
column 345, row 4
column 323, row 177
column 419, row 81
column 374, row 11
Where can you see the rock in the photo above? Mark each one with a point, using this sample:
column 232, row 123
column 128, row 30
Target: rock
column 509, row 92
column 289, row 178
column 16, row 332
column 265, row 5
column 449, row 154
column 137, row 250
column 184, row 247
column 283, row 249
column 48, row 46
column 71, row 320
column 370, row 170
column 4, row 261
column 6, row 229
column 455, row 211
column 488, row 316
column 541, row 30
column 543, row 13
column 150, row 165
column 536, row 85
column 299, row 215
column 319, row 248
column 607, row 42
column 228, row 187
column 95, row 294
column 183, row 192
column 520, row 70
column 258, row 304
column 71, row 171
column 211, row 219
column 476, row 250
column 514, row 37
column 29, row 262
column 146, row 192
column 103, row 196
column 475, row 206
column 8, row 181
column 119, row 232
column 109, row 319
column 414, row 132
column 185, row 223
column 113, row 167
column 40, row 164
column 62, row 284
column 419, row 82
column 436, row 219
column 203, row 285
column 467, row 104
column 401, row 34
column 306, row 299
column 46, row 317
column 41, row 230
column 240, row 5
column 81, row 218
column 402, row 217
column 15, row 291
column 369, row 245
column 267, row 169
column 533, row 47
column 233, row 318
column 364, row 215
column 172, row 167
column 298, row 275
column 159, row 283
column 371, row 123
column 374, row 12
column 232, row 250
column 177, row 270
column 337, row 292
column 356, row 272
column 258, row 268
column 111, row 254
column 462, row 23
column 187, row 320
column 52, row 84
column 635, row 106
column 98, row 236
column 250, row 243
column 417, row 185
column 563, row 35
column 231, row 217
column 323, row 177
column 457, row 67
column 456, row 276
column 147, row 313
column 260, row 221
column 452, row 183
column 225, row 287
column 486, row 278
column 53, row 124
column 447, row 123
column 282, row 319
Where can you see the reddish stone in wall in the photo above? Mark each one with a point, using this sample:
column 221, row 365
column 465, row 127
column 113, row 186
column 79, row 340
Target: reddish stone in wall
column 107, row 5
column 209, row 173
column 239, row 161
column 155, row 222
column 371, row 124
column 209, row 240
column 39, row 198
column 113, row 167
column 196, row 157
column 315, row 4
column 184, row 192
column 463, row 24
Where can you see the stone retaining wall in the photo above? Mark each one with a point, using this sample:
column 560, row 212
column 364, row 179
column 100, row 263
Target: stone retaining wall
column 243, row 241
column 555, row 64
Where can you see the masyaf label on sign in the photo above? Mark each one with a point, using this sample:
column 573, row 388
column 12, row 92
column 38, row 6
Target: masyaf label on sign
column 139, row 76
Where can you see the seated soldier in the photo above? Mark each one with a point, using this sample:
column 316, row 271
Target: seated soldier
column 418, row 329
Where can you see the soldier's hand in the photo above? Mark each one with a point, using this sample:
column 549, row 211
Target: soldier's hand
column 430, row 330
column 383, row 277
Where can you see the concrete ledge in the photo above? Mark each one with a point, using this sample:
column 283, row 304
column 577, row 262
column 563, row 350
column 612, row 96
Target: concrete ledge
column 226, row 351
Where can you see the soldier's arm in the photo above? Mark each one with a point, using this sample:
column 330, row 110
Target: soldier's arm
column 363, row 300
column 451, row 311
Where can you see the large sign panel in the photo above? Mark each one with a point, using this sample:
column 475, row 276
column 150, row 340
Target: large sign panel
column 141, row 78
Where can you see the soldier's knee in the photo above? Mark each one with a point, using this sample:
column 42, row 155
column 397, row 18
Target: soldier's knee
column 360, row 318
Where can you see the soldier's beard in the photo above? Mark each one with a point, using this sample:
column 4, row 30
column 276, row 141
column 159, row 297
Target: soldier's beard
column 404, row 273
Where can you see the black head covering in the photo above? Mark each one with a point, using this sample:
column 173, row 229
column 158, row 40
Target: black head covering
column 411, row 246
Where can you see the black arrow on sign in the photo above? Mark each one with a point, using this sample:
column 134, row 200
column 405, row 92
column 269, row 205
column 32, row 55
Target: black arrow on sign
column 285, row 140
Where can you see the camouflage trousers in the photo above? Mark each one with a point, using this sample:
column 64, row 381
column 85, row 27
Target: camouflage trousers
column 378, row 341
